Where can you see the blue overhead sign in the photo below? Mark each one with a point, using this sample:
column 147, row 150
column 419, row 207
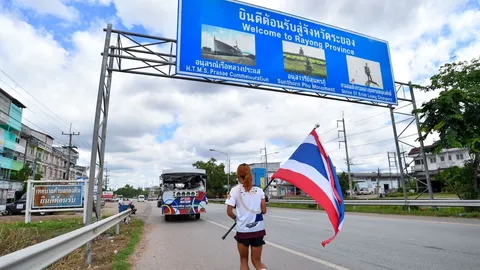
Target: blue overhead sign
column 235, row 41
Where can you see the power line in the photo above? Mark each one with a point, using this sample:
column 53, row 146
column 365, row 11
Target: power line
column 42, row 130
column 12, row 88
column 381, row 141
column 16, row 83
column 370, row 117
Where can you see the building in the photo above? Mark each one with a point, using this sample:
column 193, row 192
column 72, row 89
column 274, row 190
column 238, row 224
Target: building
column 370, row 180
column 278, row 187
column 11, row 111
column 436, row 163
column 48, row 160
column 153, row 192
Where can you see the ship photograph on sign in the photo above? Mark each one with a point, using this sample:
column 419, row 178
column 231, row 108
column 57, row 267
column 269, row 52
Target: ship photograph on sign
column 228, row 45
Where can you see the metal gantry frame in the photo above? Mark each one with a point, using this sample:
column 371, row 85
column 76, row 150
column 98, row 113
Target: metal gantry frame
column 405, row 94
column 141, row 54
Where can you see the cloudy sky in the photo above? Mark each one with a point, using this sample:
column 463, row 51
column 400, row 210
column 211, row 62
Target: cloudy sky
column 50, row 60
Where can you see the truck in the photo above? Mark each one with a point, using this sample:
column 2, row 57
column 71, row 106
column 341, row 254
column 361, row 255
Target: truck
column 183, row 192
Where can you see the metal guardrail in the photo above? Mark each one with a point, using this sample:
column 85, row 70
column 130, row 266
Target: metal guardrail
column 46, row 253
column 438, row 203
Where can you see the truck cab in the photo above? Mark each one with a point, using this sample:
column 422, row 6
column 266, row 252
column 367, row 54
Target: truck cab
column 183, row 192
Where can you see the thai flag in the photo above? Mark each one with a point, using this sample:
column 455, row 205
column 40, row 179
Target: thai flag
column 311, row 169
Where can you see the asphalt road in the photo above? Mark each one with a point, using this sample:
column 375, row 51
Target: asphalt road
column 294, row 236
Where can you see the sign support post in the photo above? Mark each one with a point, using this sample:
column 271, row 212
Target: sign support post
column 28, row 205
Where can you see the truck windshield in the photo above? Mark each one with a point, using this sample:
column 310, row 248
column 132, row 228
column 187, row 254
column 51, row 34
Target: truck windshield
column 179, row 181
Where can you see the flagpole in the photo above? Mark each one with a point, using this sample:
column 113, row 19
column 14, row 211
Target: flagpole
column 235, row 223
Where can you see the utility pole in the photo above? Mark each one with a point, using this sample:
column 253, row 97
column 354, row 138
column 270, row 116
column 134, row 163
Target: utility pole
column 392, row 163
column 346, row 152
column 378, row 183
column 27, row 144
column 70, row 134
column 228, row 167
column 106, row 178
column 266, row 167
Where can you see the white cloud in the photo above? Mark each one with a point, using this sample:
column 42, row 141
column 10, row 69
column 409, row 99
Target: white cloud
column 234, row 120
column 56, row 8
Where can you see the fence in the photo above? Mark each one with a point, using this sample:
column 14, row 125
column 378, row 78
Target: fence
column 437, row 203
column 46, row 253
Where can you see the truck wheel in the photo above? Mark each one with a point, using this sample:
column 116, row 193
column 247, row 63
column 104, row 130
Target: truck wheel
column 167, row 218
column 197, row 216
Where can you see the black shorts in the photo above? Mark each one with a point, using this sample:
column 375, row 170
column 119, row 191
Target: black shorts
column 254, row 242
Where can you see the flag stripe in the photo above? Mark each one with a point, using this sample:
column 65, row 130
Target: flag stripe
column 326, row 163
column 308, row 153
column 340, row 205
column 310, row 175
column 316, row 192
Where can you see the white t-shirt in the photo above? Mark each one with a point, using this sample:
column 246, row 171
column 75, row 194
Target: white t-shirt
column 248, row 208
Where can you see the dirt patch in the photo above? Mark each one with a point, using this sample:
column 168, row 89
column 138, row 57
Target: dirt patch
column 141, row 247
column 108, row 250
column 103, row 253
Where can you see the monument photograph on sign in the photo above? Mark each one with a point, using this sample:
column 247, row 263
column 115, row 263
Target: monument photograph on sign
column 304, row 60
column 364, row 72
column 228, row 45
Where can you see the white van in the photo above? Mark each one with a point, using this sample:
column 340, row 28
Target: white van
column 141, row 198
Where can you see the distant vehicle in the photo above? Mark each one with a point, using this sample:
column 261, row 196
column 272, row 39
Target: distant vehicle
column 108, row 196
column 18, row 207
column 141, row 198
column 183, row 192
column 364, row 191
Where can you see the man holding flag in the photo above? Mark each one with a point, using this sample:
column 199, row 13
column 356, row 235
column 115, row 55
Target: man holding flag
column 311, row 169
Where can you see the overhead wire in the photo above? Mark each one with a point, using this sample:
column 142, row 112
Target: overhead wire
column 31, row 123
column 88, row 146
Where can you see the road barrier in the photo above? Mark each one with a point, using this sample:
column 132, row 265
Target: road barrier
column 437, row 203
column 46, row 253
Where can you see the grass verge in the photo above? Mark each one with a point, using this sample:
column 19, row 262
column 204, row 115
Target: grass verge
column 110, row 251
column 120, row 261
column 19, row 235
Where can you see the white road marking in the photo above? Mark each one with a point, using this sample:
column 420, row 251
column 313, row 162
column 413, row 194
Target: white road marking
column 298, row 253
column 296, row 219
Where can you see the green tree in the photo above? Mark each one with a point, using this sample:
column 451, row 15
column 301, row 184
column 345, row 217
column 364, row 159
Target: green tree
column 343, row 179
column 129, row 191
column 455, row 177
column 455, row 115
column 22, row 175
column 216, row 177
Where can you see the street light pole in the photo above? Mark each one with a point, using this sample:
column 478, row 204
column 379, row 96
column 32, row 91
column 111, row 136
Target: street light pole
column 228, row 166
